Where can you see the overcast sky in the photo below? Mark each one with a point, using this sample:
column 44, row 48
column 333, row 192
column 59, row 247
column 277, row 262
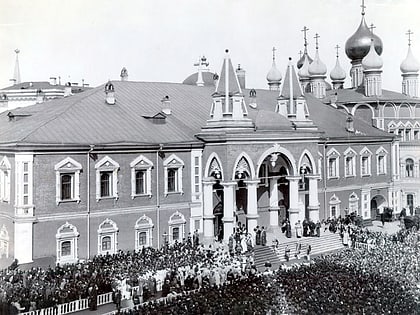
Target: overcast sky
column 160, row 40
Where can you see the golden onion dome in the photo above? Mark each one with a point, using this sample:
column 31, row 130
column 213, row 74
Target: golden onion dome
column 358, row 45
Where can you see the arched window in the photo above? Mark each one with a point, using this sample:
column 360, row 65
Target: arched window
column 333, row 163
column 173, row 175
column 107, row 237
column 176, row 227
column 141, row 177
column 143, row 232
column 66, row 238
column 350, row 162
column 106, row 178
column 67, row 180
column 334, row 205
column 409, row 168
column 354, row 203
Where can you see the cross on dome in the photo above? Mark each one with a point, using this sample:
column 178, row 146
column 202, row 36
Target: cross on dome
column 337, row 48
column 316, row 40
column 274, row 53
column 363, row 7
column 300, row 54
column 305, row 29
column 409, row 33
column 372, row 27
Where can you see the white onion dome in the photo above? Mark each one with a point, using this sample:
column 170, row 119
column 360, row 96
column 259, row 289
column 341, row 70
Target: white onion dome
column 410, row 63
column 372, row 61
column 274, row 75
column 317, row 67
column 303, row 72
column 358, row 45
column 338, row 73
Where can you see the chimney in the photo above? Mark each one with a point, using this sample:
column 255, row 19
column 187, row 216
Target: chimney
column 124, row 74
column 4, row 101
column 215, row 79
column 67, row 89
column 166, row 105
column 349, row 123
column 53, row 81
column 240, row 73
column 109, row 93
column 40, row 96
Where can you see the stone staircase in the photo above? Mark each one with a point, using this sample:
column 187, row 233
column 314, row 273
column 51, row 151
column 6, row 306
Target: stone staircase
column 326, row 243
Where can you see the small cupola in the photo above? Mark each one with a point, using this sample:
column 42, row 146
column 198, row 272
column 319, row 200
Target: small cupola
column 409, row 71
column 274, row 75
column 337, row 75
column 124, row 74
column 372, row 69
column 241, row 74
column 317, row 74
column 109, row 93
column 166, row 105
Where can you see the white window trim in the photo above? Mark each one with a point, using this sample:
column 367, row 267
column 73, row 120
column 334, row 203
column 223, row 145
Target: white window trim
column 4, row 240
column 196, row 195
column 352, row 154
column 107, row 164
column 143, row 224
column 64, row 237
column 333, row 154
column 22, row 208
column 384, row 153
column 177, row 223
column 5, row 174
column 354, row 199
column 141, row 163
column 365, row 152
column 334, row 201
column 68, row 166
column 173, row 162
column 112, row 232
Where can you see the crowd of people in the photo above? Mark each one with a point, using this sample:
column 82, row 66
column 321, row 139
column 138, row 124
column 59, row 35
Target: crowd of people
column 382, row 280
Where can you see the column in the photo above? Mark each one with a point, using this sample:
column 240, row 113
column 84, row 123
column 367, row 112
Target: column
column 313, row 206
column 293, row 199
column 228, row 207
column 208, row 217
column 274, row 202
column 252, row 208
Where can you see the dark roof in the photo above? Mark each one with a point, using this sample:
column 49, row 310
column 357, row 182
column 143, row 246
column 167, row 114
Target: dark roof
column 86, row 118
column 208, row 78
column 357, row 95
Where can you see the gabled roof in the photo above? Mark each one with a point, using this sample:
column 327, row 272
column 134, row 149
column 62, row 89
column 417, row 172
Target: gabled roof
column 85, row 118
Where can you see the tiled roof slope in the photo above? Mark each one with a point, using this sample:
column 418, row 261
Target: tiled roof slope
column 85, row 118
column 285, row 92
column 44, row 85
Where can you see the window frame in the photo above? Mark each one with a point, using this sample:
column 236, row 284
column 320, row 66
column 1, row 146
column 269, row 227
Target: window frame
column 71, row 236
column 334, row 202
column 333, row 155
column 107, row 165
column 350, row 153
column 4, row 242
column 141, row 164
column 176, row 221
column 409, row 173
column 108, row 228
column 381, row 153
column 68, row 166
column 173, row 163
column 365, row 155
column 5, row 175
column 143, row 224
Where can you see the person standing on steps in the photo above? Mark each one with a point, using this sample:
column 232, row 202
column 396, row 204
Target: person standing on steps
column 263, row 237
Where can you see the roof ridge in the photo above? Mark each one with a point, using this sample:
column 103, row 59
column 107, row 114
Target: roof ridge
column 56, row 116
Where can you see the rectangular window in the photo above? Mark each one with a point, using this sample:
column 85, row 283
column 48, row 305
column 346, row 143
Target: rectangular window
column 175, row 233
column 332, row 167
column 197, row 224
column 106, row 243
column 106, row 184
column 196, row 174
column 140, row 182
column 66, row 248
column 349, row 166
column 67, row 186
column 172, row 179
column 333, row 211
column 381, row 164
column 25, row 183
column 365, row 165
column 142, row 238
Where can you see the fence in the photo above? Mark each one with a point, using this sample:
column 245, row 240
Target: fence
column 71, row 307
column 365, row 246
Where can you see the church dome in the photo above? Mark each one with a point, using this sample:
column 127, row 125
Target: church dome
column 410, row 63
column 301, row 61
column 372, row 61
column 274, row 75
column 357, row 46
column 304, row 69
column 317, row 67
column 208, row 78
column 338, row 73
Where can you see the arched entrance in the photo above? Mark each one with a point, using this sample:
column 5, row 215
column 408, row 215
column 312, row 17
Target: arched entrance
column 377, row 204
